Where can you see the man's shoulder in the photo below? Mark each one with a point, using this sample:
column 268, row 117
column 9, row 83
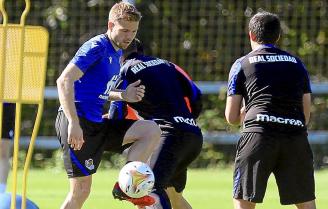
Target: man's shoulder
column 96, row 43
column 236, row 66
column 128, row 64
column 140, row 62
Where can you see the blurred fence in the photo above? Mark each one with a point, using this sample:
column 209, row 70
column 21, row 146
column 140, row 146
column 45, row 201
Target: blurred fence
column 204, row 37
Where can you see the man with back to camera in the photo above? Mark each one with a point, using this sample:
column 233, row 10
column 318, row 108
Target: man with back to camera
column 276, row 89
column 8, row 126
column 164, row 102
column 84, row 86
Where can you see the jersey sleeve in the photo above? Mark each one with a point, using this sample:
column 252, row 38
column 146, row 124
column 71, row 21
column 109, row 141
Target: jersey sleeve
column 191, row 91
column 88, row 54
column 236, row 79
column 307, row 83
column 119, row 109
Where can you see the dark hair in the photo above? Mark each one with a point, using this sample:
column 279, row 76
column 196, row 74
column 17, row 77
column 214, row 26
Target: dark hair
column 265, row 26
column 135, row 47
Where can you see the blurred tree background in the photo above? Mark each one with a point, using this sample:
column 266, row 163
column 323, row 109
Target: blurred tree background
column 203, row 37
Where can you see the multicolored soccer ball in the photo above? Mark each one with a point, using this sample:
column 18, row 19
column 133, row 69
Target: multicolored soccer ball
column 136, row 179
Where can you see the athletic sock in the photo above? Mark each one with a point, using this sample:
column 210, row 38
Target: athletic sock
column 163, row 200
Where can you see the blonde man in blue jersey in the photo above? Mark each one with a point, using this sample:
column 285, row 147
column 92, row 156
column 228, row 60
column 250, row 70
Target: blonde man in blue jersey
column 84, row 86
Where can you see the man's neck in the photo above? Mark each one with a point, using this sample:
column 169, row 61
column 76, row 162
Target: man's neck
column 112, row 42
column 255, row 45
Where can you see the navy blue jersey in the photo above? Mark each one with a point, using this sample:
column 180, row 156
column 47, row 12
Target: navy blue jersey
column 272, row 82
column 99, row 62
column 166, row 89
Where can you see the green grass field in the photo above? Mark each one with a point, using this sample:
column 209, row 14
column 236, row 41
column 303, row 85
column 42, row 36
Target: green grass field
column 206, row 189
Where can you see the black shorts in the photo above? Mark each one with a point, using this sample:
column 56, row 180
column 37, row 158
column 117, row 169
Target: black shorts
column 179, row 149
column 8, row 121
column 97, row 137
column 289, row 158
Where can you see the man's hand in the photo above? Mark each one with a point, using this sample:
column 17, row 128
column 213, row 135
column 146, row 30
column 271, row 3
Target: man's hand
column 134, row 92
column 75, row 135
column 105, row 116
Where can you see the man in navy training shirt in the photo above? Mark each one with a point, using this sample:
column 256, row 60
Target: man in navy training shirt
column 84, row 86
column 164, row 102
column 276, row 91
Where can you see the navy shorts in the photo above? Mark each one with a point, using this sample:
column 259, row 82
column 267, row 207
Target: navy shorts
column 288, row 157
column 97, row 138
column 179, row 149
column 8, row 121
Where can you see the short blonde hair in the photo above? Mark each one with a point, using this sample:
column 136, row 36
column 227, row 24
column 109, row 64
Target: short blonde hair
column 124, row 10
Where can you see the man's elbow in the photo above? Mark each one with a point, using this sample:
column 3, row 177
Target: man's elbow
column 63, row 82
column 59, row 81
column 232, row 119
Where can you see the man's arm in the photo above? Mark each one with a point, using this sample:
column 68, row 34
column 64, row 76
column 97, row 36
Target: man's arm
column 234, row 112
column 65, row 86
column 307, row 106
column 192, row 93
column 134, row 92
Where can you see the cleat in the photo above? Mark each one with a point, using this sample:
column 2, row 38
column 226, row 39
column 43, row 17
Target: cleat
column 141, row 202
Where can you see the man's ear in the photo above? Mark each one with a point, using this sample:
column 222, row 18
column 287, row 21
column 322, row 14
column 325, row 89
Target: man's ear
column 110, row 25
column 252, row 36
column 278, row 38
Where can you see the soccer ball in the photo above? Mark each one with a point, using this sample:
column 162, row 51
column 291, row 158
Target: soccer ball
column 136, row 179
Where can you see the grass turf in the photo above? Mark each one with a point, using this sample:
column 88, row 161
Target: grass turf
column 206, row 189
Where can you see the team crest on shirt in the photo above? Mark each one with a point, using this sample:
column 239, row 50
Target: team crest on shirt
column 89, row 164
column 110, row 60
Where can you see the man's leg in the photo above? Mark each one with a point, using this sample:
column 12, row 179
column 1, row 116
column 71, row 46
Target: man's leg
column 145, row 136
column 177, row 200
column 6, row 143
column 79, row 192
column 80, row 164
column 243, row 204
column 5, row 152
column 306, row 205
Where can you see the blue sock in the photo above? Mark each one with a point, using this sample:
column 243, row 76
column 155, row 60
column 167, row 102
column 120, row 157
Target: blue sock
column 164, row 199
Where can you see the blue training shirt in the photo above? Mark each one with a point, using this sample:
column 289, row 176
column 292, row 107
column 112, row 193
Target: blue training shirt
column 99, row 62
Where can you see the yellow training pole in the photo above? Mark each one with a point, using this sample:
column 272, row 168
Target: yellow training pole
column 19, row 104
column 31, row 146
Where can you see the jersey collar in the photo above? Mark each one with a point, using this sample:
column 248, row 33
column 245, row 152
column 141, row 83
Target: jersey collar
column 265, row 46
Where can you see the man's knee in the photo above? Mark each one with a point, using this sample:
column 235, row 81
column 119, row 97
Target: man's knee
column 80, row 195
column 306, row 205
column 152, row 130
column 5, row 149
column 80, row 189
column 144, row 130
column 243, row 204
